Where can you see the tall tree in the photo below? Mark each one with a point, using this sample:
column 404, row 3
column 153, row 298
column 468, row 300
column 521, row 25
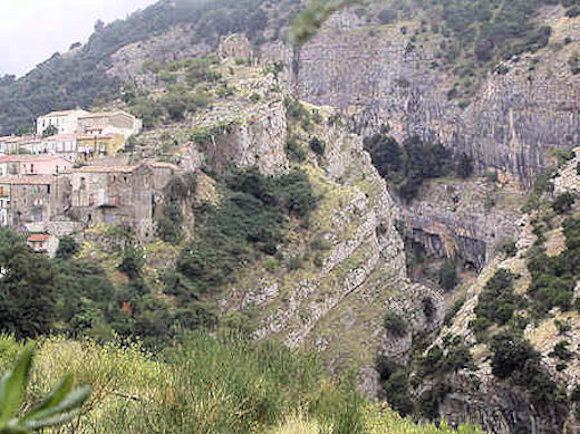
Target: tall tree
column 26, row 286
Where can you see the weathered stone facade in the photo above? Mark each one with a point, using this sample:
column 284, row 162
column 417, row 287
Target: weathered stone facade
column 115, row 195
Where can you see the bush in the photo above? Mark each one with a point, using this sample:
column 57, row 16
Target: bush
column 67, row 248
column 511, row 353
column 497, row 302
column 295, row 151
column 561, row 351
column 448, row 275
column 395, row 324
column 509, row 248
column 250, row 221
column 318, row 146
column 563, row 203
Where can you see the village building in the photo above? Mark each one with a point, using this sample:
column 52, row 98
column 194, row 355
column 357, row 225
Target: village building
column 17, row 144
column 116, row 122
column 114, row 195
column 65, row 122
column 23, row 164
column 81, row 147
column 43, row 243
column 31, row 199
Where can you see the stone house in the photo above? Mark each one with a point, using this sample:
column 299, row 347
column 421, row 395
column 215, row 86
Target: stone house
column 66, row 121
column 103, row 123
column 114, row 195
column 32, row 199
column 43, row 243
column 13, row 165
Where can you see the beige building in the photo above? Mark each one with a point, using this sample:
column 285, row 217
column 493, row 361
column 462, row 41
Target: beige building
column 117, row 122
column 66, row 121
column 114, row 195
column 31, row 199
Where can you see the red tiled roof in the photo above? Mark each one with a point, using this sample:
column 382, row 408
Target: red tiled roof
column 26, row 180
column 37, row 238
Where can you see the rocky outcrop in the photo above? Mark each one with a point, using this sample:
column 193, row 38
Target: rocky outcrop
column 377, row 77
column 468, row 219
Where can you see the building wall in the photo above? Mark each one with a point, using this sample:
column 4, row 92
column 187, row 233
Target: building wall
column 66, row 122
column 114, row 198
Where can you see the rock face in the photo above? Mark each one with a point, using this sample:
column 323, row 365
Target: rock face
column 377, row 77
column 336, row 303
column 470, row 219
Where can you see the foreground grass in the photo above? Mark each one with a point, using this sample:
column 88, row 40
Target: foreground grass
column 207, row 385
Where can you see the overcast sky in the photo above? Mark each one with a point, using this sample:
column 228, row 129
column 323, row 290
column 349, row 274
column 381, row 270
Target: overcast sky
column 32, row 30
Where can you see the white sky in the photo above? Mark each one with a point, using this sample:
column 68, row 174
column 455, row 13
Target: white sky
column 32, row 30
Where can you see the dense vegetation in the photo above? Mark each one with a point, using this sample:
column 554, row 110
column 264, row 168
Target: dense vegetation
column 205, row 384
column 74, row 296
column 407, row 165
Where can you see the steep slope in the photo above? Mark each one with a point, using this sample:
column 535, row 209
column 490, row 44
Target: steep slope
column 530, row 297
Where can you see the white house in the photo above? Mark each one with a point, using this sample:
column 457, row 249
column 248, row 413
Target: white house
column 67, row 121
column 116, row 122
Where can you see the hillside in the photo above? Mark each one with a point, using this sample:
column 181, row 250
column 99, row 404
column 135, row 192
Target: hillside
column 396, row 194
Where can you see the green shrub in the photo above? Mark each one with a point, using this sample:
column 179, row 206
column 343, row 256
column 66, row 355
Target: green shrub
column 395, row 324
column 497, row 302
column 561, row 351
column 509, row 248
column 448, row 275
column 295, row 151
column 563, row 203
column 318, row 146
column 250, row 221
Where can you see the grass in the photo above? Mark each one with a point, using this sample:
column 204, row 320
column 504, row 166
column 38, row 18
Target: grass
column 206, row 384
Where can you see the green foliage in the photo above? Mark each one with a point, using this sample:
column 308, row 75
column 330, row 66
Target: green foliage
column 562, row 351
column 395, row 324
column 406, row 166
column 58, row 407
column 554, row 278
column 509, row 248
column 514, row 357
column 177, row 191
column 317, row 145
column 563, row 203
column 295, row 150
column 51, row 130
column 394, row 380
column 511, row 353
column 497, row 303
column 250, row 220
column 448, row 275
column 26, row 288
column 67, row 248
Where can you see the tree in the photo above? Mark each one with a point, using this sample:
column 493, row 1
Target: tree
column 26, row 288
column 511, row 353
column 448, row 275
column 67, row 248
column 563, row 203
column 51, row 130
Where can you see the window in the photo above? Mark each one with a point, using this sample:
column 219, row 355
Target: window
column 83, row 185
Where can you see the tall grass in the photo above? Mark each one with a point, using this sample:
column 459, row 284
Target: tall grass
column 222, row 384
